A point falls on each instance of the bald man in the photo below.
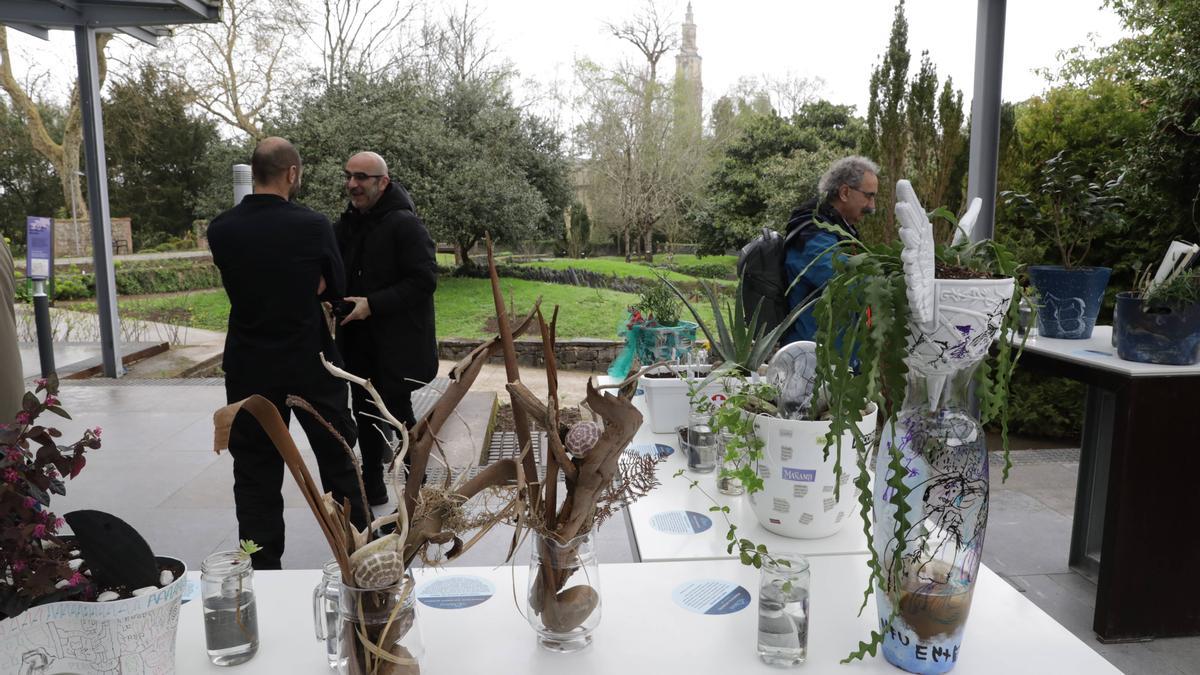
(278, 260)
(389, 334)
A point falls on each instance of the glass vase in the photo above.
(326, 613)
(937, 446)
(783, 610)
(379, 630)
(727, 483)
(563, 602)
(230, 613)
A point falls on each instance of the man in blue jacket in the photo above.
(847, 195)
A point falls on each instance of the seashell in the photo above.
(165, 578)
(582, 437)
(378, 564)
(145, 590)
(107, 596)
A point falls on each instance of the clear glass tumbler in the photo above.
(783, 610)
(326, 620)
(727, 484)
(230, 614)
(699, 443)
(563, 603)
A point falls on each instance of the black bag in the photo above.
(764, 285)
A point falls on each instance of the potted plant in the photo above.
(69, 602)
(1072, 212)
(1160, 323)
(909, 327)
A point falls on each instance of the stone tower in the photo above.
(689, 90)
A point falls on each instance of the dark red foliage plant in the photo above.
(34, 559)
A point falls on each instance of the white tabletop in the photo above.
(643, 630)
(1098, 352)
(675, 496)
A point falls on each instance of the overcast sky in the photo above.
(834, 40)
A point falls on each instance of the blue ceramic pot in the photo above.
(1069, 299)
(1166, 335)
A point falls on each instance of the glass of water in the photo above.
(783, 610)
(230, 615)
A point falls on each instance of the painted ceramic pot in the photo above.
(1069, 299)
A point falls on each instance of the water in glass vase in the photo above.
(231, 628)
(783, 623)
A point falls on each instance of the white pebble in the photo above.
(106, 596)
(63, 583)
(74, 564)
(165, 578)
(87, 573)
(145, 589)
(75, 554)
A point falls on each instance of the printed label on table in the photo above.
(711, 596)
(455, 592)
(680, 522)
(659, 450)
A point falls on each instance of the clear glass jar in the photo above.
(387, 619)
(563, 602)
(230, 613)
(727, 484)
(326, 619)
(783, 610)
(699, 443)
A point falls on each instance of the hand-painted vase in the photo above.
(929, 572)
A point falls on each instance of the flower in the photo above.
(39, 531)
(96, 432)
(58, 523)
(41, 382)
(76, 579)
(51, 400)
(29, 502)
(11, 475)
(24, 417)
(14, 454)
(18, 565)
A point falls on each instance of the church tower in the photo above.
(689, 91)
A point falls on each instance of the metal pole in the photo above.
(97, 181)
(243, 182)
(45, 336)
(985, 112)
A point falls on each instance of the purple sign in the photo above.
(38, 240)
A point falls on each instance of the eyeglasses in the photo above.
(868, 195)
(360, 176)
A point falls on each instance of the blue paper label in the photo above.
(38, 244)
(711, 596)
(680, 522)
(455, 592)
(799, 475)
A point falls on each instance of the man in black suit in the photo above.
(389, 334)
(278, 260)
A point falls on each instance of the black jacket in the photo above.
(390, 260)
(272, 255)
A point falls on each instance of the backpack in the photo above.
(760, 266)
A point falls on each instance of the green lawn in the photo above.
(463, 307)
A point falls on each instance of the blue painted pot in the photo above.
(1069, 299)
(1165, 335)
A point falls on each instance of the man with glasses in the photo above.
(846, 196)
(387, 330)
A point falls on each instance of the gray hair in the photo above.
(845, 171)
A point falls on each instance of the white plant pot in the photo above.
(135, 636)
(797, 499)
(668, 403)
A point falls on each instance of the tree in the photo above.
(887, 137)
(234, 69)
(155, 153)
(359, 37)
(28, 186)
(63, 155)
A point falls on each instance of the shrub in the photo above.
(707, 270)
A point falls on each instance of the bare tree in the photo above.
(234, 69)
(363, 37)
(791, 92)
(64, 155)
(653, 36)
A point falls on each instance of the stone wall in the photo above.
(74, 239)
(585, 354)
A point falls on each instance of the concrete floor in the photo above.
(157, 470)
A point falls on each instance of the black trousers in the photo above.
(258, 468)
(370, 441)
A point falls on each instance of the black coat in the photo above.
(390, 260)
(272, 255)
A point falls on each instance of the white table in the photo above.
(643, 631)
(1137, 469)
(676, 495)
